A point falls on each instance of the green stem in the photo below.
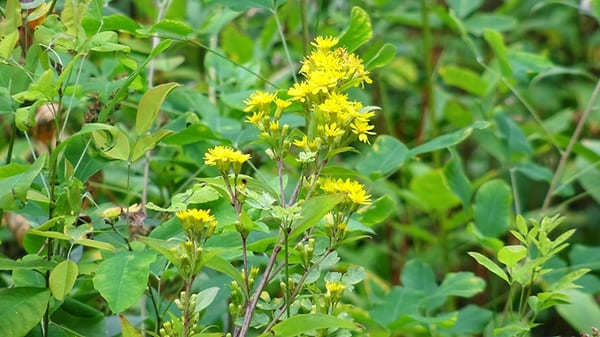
(288, 296)
(428, 95)
(285, 46)
(303, 17)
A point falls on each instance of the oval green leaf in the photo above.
(62, 279)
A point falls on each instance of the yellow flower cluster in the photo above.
(224, 158)
(353, 191)
(332, 119)
(335, 290)
(197, 222)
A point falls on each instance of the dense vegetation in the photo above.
(299, 168)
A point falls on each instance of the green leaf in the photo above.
(121, 279)
(313, 211)
(511, 255)
(221, 265)
(385, 157)
(494, 39)
(62, 279)
(173, 29)
(32, 262)
(107, 41)
(128, 330)
(15, 182)
(464, 7)
(150, 105)
(205, 298)
(419, 276)
(83, 242)
(147, 143)
(463, 284)
(300, 324)
(7, 44)
(477, 23)
(492, 208)
(383, 57)
(449, 139)
(464, 79)
(380, 210)
(582, 313)
(359, 31)
(113, 143)
(457, 180)
(21, 309)
(490, 265)
(432, 191)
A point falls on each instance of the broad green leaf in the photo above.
(490, 265)
(238, 46)
(11, 17)
(221, 265)
(359, 31)
(465, 79)
(173, 29)
(397, 304)
(31, 262)
(128, 330)
(163, 247)
(433, 192)
(379, 211)
(494, 39)
(383, 57)
(62, 279)
(119, 22)
(449, 139)
(121, 279)
(147, 143)
(385, 157)
(471, 320)
(243, 5)
(419, 276)
(300, 324)
(462, 284)
(492, 208)
(511, 255)
(464, 7)
(15, 181)
(21, 309)
(205, 298)
(582, 313)
(113, 143)
(457, 180)
(107, 41)
(150, 105)
(313, 211)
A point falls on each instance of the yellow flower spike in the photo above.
(259, 100)
(224, 157)
(325, 43)
(274, 126)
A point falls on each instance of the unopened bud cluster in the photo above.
(335, 228)
(237, 304)
(189, 257)
(307, 251)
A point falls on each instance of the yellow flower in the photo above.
(362, 129)
(353, 190)
(322, 81)
(195, 221)
(223, 157)
(301, 143)
(256, 118)
(274, 126)
(259, 100)
(299, 91)
(325, 43)
(282, 103)
(331, 130)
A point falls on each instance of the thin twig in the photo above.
(263, 282)
(280, 174)
(563, 159)
(513, 182)
(285, 46)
